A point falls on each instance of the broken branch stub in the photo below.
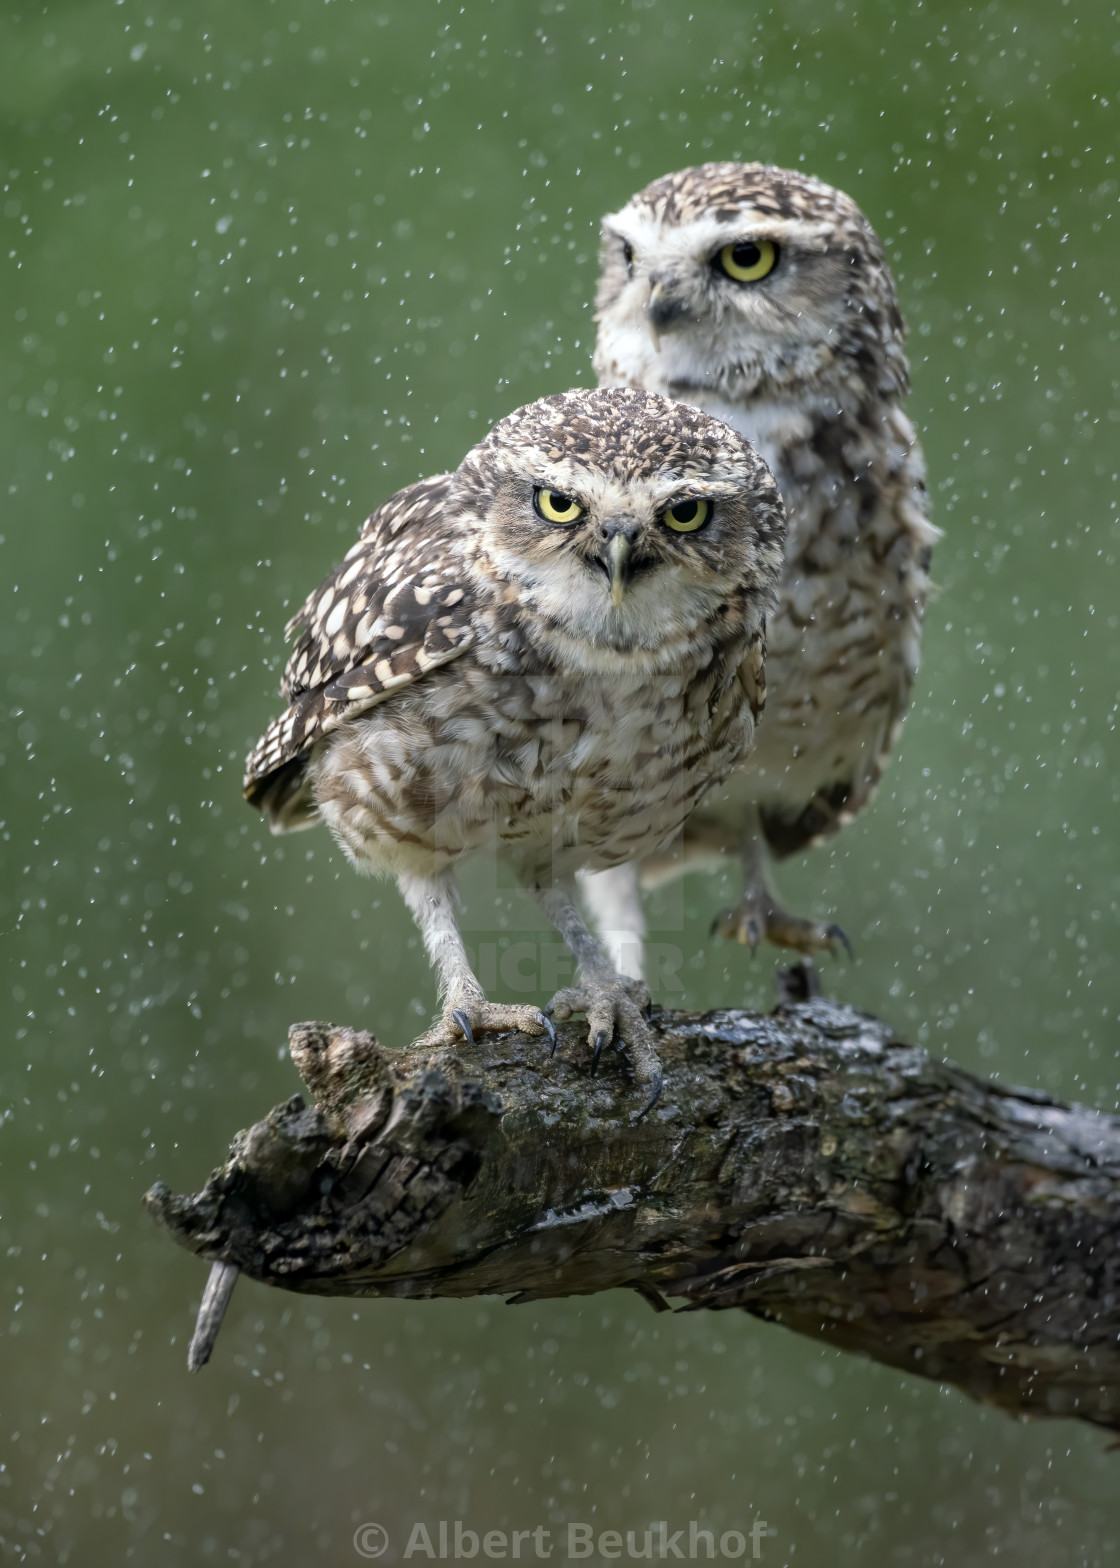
(804, 1166)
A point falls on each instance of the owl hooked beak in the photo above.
(615, 559)
(618, 554)
(655, 293)
(662, 310)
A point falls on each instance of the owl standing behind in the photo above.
(762, 296)
(549, 654)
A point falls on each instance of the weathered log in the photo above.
(805, 1166)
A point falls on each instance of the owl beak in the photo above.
(618, 555)
(662, 310)
(656, 295)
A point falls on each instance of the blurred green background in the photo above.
(264, 263)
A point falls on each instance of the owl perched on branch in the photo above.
(762, 296)
(548, 654)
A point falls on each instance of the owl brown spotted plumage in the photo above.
(549, 654)
(380, 621)
(763, 296)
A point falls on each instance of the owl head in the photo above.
(743, 281)
(626, 523)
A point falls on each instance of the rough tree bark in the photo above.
(804, 1166)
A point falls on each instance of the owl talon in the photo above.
(461, 1025)
(656, 1084)
(550, 1030)
(758, 918)
(738, 927)
(837, 934)
(615, 1008)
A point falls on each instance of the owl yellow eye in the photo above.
(748, 260)
(556, 507)
(687, 516)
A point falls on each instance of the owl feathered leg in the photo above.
(614, 901)
(614, 897)
(465, 1006)
(758, 915)
(613, 1002)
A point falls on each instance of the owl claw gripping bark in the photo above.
(615, 1007)
(460, 1022)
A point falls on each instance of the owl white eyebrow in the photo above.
(753, 238)
(550, 484)
(680, 243)
(717, 490)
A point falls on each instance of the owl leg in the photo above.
(465, 1007)
(614, 1003)
(614, 902)
(758, 915)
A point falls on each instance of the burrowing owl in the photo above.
(763, 296)
(550, 653)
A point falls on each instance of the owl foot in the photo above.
(461, 1022)
(614, 1007)
(757, 917)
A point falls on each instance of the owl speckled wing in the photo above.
(389, 612)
